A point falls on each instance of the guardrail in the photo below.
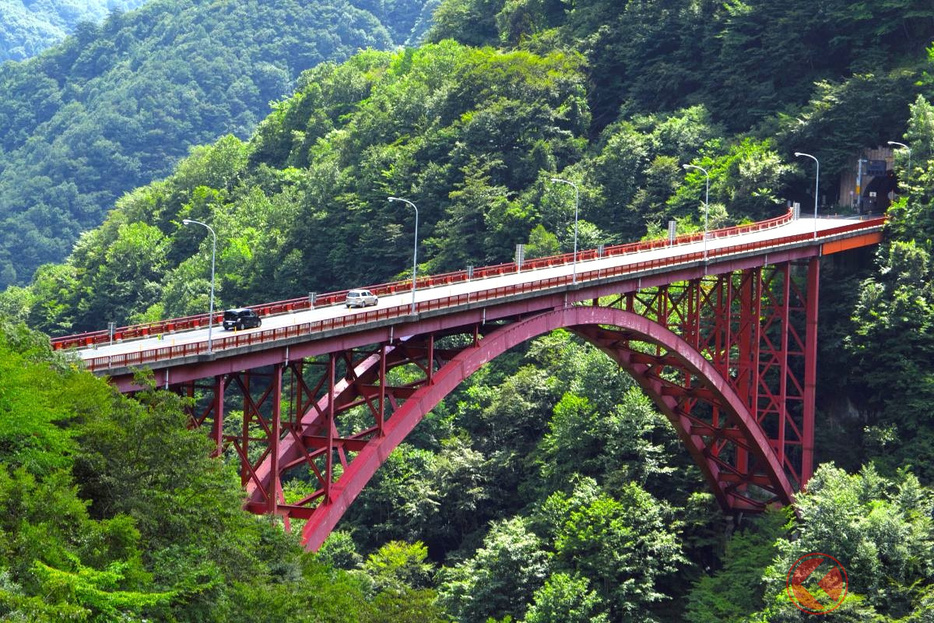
(270, 335)
(162, 327)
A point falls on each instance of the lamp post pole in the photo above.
(577, 197)
(189, 221)
(906, 147)
(415, 249)
(816, 185)
(706, 200)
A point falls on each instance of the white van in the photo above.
(361, 298)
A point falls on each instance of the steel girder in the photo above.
(758, 327)
(728, 358)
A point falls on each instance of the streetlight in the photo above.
(904, 146)
(706, 201)
(577, 200)
(816, 185)
(415, 250)
(188, 221)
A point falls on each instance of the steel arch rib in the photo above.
(752, 438)
(325, 517)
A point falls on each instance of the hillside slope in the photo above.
(472, 138)
(116, 106)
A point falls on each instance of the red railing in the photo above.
(268, 335)
(173, 325)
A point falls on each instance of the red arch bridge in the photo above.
(721, 333)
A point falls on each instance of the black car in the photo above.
(242, 318)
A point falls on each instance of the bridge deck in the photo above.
(395, 308)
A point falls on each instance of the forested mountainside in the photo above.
(117, 105)
(481, 516)
(29, 27)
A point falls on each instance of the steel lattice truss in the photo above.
(728, 358)
(756, 328)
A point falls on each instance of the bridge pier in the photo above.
(810, 371)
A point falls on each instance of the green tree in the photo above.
(467, 220)
(616, 447)
(542, 243)
(471, 22)
(56, 558)
(402, 580)
(738, 588)
(891, 347)
(397, 566)
(879, 530)
(500, 578)
(566, 599)
(27, 29)
(623, 545)
(520, 19)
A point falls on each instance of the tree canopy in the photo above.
(28, 28)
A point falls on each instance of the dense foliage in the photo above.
(546, 488)
(470, 135)
(28, 28)
(116, 106)
(111, 509)
(747, 59)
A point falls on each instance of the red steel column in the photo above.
(725, 337)
(429, 368)
(695, 304)
(217, 426)
(329, 447)
(756, 355)
(783, 364)
(245, 468)
(746, 349)
(381, 415)
(275, 487)
(810, 371)
(747, 338)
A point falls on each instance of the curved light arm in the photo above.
(908, 149)
(189, 221)
(415, 250)
(706, 200)
(816, 185)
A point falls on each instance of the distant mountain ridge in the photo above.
(115, 106)
(27, 27)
